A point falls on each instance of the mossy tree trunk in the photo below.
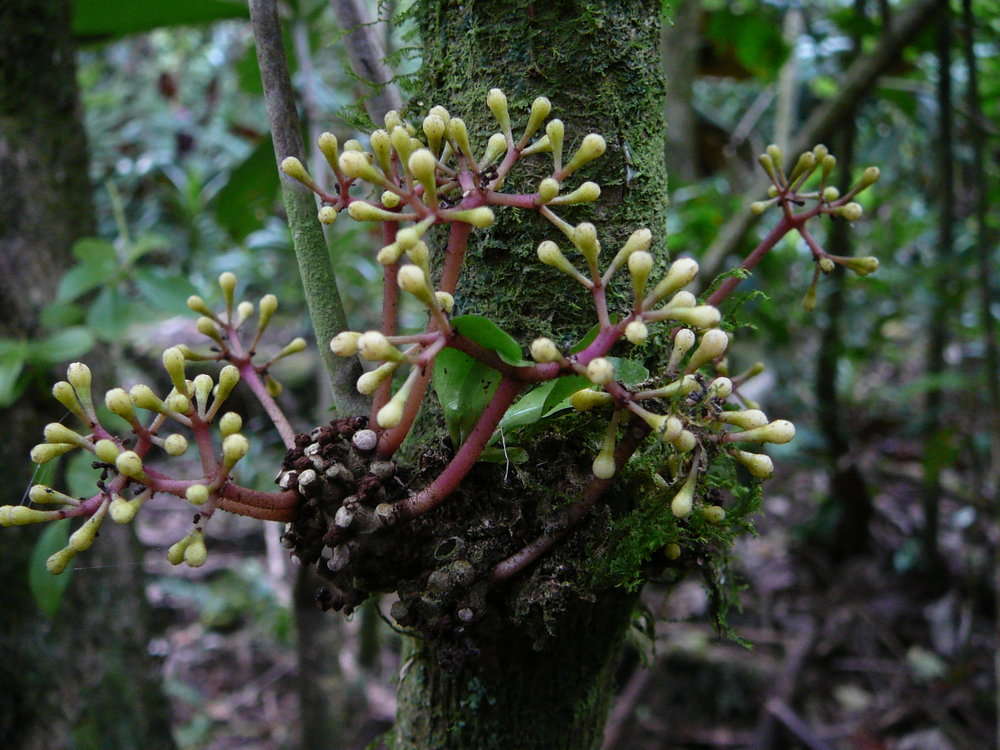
(599, 63)
(83, 679)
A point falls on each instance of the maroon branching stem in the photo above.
(249, 374)
(458, 243)
(773, 237)
(573, 513)
(203, 439)
(463, 461)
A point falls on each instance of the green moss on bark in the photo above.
(598, 62)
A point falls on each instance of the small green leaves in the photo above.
(46, 588)
(488, 334)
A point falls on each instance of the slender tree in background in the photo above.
(849, 499)
(936, 434)
(83, 678)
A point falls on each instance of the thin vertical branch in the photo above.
(367, 57)
(940, 317)
(318, 281)
(985, 287)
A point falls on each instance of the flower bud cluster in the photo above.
(194, 403)
(787, 192)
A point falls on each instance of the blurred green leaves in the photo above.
(97, 20)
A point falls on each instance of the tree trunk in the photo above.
(84, 679)
(599, 64)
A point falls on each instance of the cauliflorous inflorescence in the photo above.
(126, 450)
(789, 190)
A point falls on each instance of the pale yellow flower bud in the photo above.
(587, 399)
(851, 211)
(197, 494)
(445, 301)
(59, 433)
(746, 419)
(230, 423)
(600, 371)
(118, 402)
(345, 343)
(778, 431)
(547, 189)
(496, 100)
(496, 146)
(714, 513)
(327, 143)
(375, 347)
(681, 273)
(588, 192)
(369, 382)
(234, 447)
(459, 135)
(362, 211)
(268, 305)
(82, 539)
(65, 394)
(173, 363)
(327, 215)
(702, 316)
(556, 132)
(591, 147)
(720, 388)
(481, 217)
(175, 445)
(434, 128)
(712, 345)
(540, 109)
(45, 452)
(411, 279)
(640, 263)
(545, 350)
(196, 553)
(129, 464)
(757, 464)
(636, 332)
(683, 502)
(354, 164)
(106, 450)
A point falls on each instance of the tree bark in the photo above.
(84, 679)
(599, 64)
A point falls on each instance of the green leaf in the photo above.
(245, 202)
(103, 18)
(588, 337)
(81, 476)
(563, 388)
(69, 343)
(167, 292)
(83, 277)
(109, 316)
(463, 386)
(12, 359)
(46, 588)
(95, 251)
(62, 315)
(146, 243)
(628, 371)
(528, 409)
(488, 334)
